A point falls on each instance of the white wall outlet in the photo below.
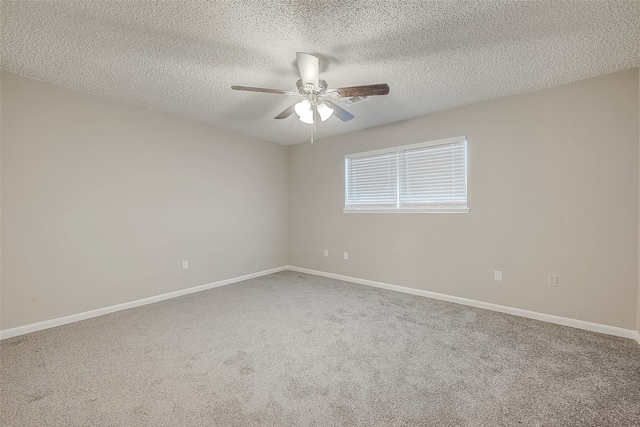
(346, 255)
(326, 252)
(553, 281)
(497, 275)
(185, 265)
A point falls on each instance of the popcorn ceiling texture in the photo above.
(182, 57)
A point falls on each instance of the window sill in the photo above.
(408, 210)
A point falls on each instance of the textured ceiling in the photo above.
(181, 57)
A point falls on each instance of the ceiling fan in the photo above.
(315, 93)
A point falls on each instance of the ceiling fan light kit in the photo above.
(305, 111)
(324, 110)
(313, 89)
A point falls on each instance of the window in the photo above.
(424, 177)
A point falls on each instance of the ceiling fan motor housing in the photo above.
(321, 90)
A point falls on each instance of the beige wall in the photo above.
(102, 201)
(553, 189)
(638, 308)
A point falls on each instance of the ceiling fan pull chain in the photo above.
(315, 116)
(315, 120)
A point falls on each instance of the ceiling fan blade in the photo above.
(264, 90)
(366, 90)
(309, 67)
(287, 112)
(340, 112)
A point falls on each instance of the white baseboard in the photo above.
(21, 330)
(580, 324)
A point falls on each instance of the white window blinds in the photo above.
(373, 180)
(427, 177)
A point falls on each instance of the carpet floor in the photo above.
(292, 349)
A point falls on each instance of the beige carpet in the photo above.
(293, 349)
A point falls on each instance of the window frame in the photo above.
(444, 207)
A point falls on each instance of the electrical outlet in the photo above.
(185, 265)
(553, 281)
(326, 252)
(497, 275)
(346, 255)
